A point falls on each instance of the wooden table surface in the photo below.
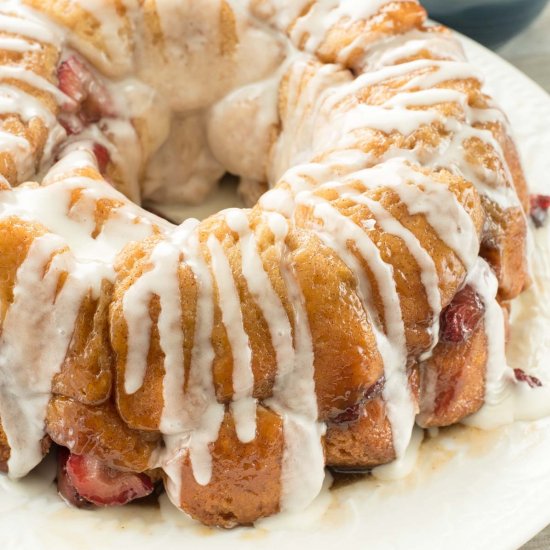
(530, 52)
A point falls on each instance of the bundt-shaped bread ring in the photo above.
(236, 357)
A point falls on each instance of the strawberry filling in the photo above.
(351, 414)
(90, 101)
(539, 209)
(522, 376)
(90, 98)
(84, 480)
(64, 486)
(103, 157)
(460, 318)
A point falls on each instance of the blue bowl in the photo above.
(491, 22)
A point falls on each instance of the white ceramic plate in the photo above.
(470, 490)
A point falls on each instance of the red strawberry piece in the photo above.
(539, 209)
(70, 83)
(376, 389)
(103, 157)
(91, 98)
(97, 104)
(71, 122)
(64, 486)
(522, 376)
(351, 414)
(104, 486)
(460, 318)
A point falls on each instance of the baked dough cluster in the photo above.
(233, 359)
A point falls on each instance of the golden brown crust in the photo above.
(504, 248)
(346, 358)
(361, 438)
(229, 39)
(42, 61)
(245, 482)
(4, 450)
(347, 361)
(393, 18)
(453, 380)
(86, 29)
(142, 409)
(503, 241)
(99, 431)
(87, 371)
(407, 273)
(362, 443)
(16, 237)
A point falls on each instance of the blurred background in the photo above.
(491, 22)
(518, 30)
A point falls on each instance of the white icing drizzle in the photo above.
(160, 281)
(30, 358)
(432, 199)
(427, 97)
(278, 200)
(170, 330)
(428, 74)
(35, 80)
(24, 26)
(400, 46)
(195, 420)
(232, 318)
(201, 385)
(294, 396)
(405, 464)
(336, 232)
(498, 407)
(50, 205)
(259, 285)
(483, 281)
(29, 32)
(428, 275)
(9, 43)
(30, 18)
(15, 100)
(324, 14)
(506, 399)
(372, 117)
